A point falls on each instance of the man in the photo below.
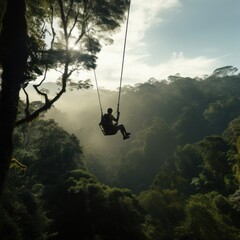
(110, 128)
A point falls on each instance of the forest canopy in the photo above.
(176, 178)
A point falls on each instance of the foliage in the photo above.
(94, 210)
(166, 207)
(185, 178)
(183, 163)
(66, 37)
(204, 220)
(55, 171)
(146, 156)
(22, 216)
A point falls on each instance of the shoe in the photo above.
(128, 133)
(126, 137)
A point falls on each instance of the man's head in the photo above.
(110, 110)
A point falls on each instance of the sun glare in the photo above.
(72, 44)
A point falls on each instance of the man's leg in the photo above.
(123, 131)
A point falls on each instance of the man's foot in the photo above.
(128, 133)
(126, 137)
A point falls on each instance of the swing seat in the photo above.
(107, 132)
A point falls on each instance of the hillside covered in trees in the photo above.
(176, 178)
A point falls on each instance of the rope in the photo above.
(95, 77)
(99, 99)
(123, 58)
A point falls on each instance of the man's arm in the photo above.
(116, 119)
(118, 115)
(113, 118)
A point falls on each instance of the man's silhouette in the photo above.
(112, 128)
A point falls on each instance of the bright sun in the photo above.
(72, 44)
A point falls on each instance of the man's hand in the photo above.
(118, 114)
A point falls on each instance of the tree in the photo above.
(206, 220)
(153, 147)
(232, 135)
(22, 216)
(91, 210)
(166, 207)
(225, 71)
(188, 161)
(216, 171)
(27, 54)
(14, 56)
(221, 112)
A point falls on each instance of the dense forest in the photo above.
(176, 178)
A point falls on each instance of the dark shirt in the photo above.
(108, 121)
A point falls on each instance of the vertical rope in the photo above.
(123, 57)
(95, 78)
(99, 99)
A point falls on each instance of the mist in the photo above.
(162, 116)
(78, 112)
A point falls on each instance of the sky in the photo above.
(167, 37)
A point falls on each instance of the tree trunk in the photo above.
(14, 54)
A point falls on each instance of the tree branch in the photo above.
(63, 18)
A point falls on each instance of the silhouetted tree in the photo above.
(25, 57)
(14, 54)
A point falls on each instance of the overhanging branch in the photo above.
(42, 109)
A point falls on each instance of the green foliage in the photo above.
(22, 216)
(234, 199)
(165, 205)
(169, 120)
(171, 180)
(213, 150)
(204, 220)
(218, 112)
(233, 131)
(55, 192)
(216, 165)
(184, 171)
(154, 144)
(95, 210)
(54, 25)
(188, 161)
(49, 150)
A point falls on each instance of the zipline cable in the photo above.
(123, 57)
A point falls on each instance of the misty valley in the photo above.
(176, 178)
(169, 169)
